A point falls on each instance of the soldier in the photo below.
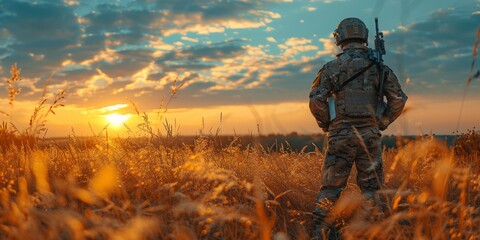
(344, 99)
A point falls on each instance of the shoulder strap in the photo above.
(356, 75)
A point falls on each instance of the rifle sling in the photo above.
(356, 75)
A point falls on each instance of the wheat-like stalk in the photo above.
(13, 90)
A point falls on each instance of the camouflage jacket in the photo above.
(326, 83)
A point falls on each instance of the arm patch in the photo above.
(316, 82)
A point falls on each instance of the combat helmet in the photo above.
(351, 29)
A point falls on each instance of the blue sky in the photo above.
(227, 52)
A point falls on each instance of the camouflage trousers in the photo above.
(346, 147)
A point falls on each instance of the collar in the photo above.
(353, 45)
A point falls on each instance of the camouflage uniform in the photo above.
(354, 135)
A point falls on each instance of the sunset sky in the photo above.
(241, 65)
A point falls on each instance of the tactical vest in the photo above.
(359, 97)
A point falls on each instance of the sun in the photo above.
(116, 119)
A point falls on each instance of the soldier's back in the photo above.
(355, 102)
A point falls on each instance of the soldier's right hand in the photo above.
(383, 123)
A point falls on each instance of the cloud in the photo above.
(271, 39)
(114, 52)
(181, 17)
(185, 38)
(221, 50)
(329, 46)
(434, 51)
(328, 1)
(45, 31)
(294, 46)
(98, 81)
(112, 108)
(121, 53)
(68, 39)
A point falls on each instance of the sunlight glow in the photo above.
(112, 108)
(116, 119)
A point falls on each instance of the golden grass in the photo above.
(159, 189)
(148, 192)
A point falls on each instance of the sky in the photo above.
(241, 66)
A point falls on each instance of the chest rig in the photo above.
(357, 98)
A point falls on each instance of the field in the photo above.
(159, 188)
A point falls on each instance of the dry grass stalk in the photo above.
(13, 90)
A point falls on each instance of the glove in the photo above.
(323, 126)
(383, 123)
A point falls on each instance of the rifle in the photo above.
(376, 55)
